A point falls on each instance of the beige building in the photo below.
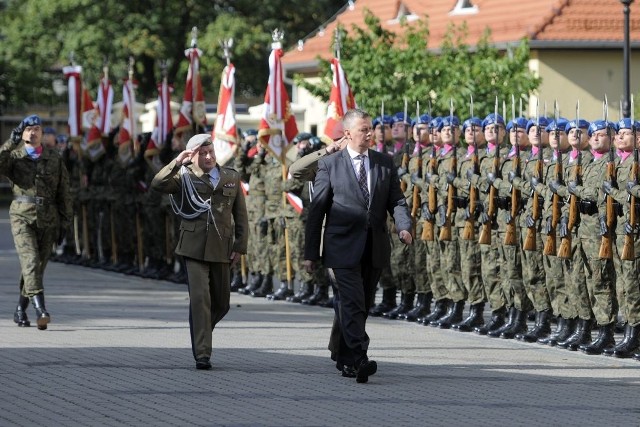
(576, 46)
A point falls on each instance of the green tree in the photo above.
(38, 37)
(383, 66)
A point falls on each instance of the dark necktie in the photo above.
(362, 179)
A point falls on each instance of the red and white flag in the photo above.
(74, 75)
(295, 201)
(90, 118)
(224, 133)
(164, 121)
(340, 100)
(105, 105)
(278, 125)
(193, 107)
(128, 129)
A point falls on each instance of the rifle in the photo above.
(139, 242)
(445, 230)
(606, 244)
(550, 244)
(405, 156)
(432, 198)
(510, 238)
(564, 251)
(485, 232)
(628, 249)
(114, 240)
(530, 239)
(468, 233)
(416, 202)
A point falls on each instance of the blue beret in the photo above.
(627, 123)
(302, 136)
(385, 120)
(544, 122)
(560, 125)
(448, 121)
(492, 119)
(62, 139)
(582, 124)
(521, 122)
(49, 130)
(399, 118)
(599, 125)
(250, 132)
(475, 121)
(436, 123)
(33, 120)
(422, 120)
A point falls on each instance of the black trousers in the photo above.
(354, 293)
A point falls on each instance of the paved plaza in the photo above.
(118, 353)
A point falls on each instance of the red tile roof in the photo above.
(509, 21)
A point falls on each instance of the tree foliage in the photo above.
(38, 36)
(383, 66)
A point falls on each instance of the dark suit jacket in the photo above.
(199, 239)
(338, 196)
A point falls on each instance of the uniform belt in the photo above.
(460, 202)
(36, 200)
(588, 207)
(503, 202)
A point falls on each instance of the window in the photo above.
(464, 7)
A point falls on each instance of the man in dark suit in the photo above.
(213, 234)
(355, 188)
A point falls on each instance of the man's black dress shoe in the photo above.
(348, 371)
(365, 370)
(203, 363)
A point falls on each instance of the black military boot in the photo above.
(541, 328)
(266, 287)
(319, 295)
(496, 322)
(511, 318)
(422, 308)
(253, 284)
(20, 316)
(474, 319)
(327, 302)
(636, 356)
(603, 340)
(629, 344)
(406, 304)
(563, 330)
(305, 291)
(42, 315)
(387, 304)
(236, 281)
(582, 335)
(440, 309)
(282, 293)
(519, 326)
(454, 315)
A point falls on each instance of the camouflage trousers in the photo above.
(576, 280)
(33, 246)
(402, 269)
(422, 276)
(510, 266)
(122, 217)
(629, 278)
(285, 228)
(490, 271)
(470, 269)
(533, 273)
(557, 287)
(296, 240)
(434, 268)
(450, 264)
(259, 246)
(599, 275)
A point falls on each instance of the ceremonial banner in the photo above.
(193, 107)
(74, 75)
(340, 100)
(224, 133)
(105, 104)
(164, 121)
(128, 129)
(90, 119)
(278, 125)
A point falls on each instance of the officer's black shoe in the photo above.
(348, 371)
(254, 283)
(454, 315)
(326, 303)
(203, 363)
(496, 322)
(42, 315)
(320, 294)
(541, 329)
(603, 340)
(440, 309)
(406, 304)
(629, 344)
(266, 287)
(581, 335)
(236, 282)
(518, 327)
(563, 330)
(511, 319)
(475, 319)
(387, 304)
(422, 308)
(305, 291)
(20, 316)
(282, 293)
(365, 369)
